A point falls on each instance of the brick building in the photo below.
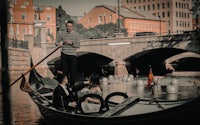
(134, 21)
(22, 16)
(176, 13)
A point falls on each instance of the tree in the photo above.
(61, 17)
(195, 7)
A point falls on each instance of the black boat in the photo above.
(130, 110)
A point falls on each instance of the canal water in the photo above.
(25, 111)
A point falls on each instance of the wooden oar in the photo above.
(33, 67)
(25, 86)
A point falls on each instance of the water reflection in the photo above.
(172, 96)
(170, 88)
(24, 111)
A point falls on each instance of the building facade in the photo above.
(176, 13)
(133, 21)
(22, 16)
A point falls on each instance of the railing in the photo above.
(18, 43)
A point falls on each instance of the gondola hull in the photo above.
(183, 113)
(143, 111)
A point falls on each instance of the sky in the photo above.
(76, 7)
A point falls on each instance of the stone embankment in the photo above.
(18, 61)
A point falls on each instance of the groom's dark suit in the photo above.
(61, 99)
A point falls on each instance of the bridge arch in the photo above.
(93, 62)
(180, 56)
(168, 62)
(154, 57)
(82, 53)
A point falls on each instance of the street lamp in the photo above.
(160, 22)
(11, 5)
(104, 15)
(119, 28)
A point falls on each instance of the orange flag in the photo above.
(150, 78)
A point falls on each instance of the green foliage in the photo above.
(195, 7)
(100, 31)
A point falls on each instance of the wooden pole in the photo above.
(7, 117)
(33, 67)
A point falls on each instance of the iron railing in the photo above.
(18, 43)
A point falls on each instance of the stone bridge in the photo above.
(123, 48)
(120, 49)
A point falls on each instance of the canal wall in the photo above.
(18, 61)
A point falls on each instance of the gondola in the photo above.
(131, 110)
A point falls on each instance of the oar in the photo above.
(33, 67)
(25, 86)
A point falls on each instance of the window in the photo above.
(168, 23)
(127, 1)
(49, 18)
(168, 14)
(89, 20)
(110, 18)
(148, 7)
(104, 17)
(187, 6)
(36, 16)
(24, 30)
(163, 5)
(153, 7)
(188, 15)
(158, 6)
(168, 5)
(163, 14)
(23, 16)
(184, 5)
(100, 19)
(143, 7)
